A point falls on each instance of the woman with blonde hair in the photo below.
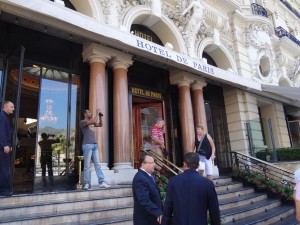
(205, 147)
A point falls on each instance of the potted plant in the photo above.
(237, 173)
(286, 193)
(260, 182)
(273, 189)
(162, 182)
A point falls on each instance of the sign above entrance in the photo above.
(145, 33)
(176, 57)
(145, 93)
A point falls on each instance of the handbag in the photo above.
(165, 152)
(199, 150)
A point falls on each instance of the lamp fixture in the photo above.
(49, 115)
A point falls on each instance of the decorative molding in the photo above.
(121, 61)
(188, 16)
(93, 52)
(258, 36)
(198, 84)
(294, 72)
(229, 47)
(112, 10)
(181, 78)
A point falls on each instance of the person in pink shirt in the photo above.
(297, 193)
(157, 137)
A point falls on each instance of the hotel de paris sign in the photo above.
(231, 77)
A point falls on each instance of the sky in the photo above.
(57, 93)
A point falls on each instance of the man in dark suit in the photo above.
(190, 196)
(5, 148)
(147, 202)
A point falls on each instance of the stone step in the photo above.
(228, 186)
(270, 216)
(123, 221)
(241, 200)
(236, 192)
(71, 217)
(27, 199)
(222, 179)
(290, 220)
(248, 210)
(68, 205)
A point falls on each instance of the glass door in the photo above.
(11, 90)
(45, 126)
(144, 119)
(57, 138)
(56, 134)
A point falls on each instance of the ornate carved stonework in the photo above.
(188, 16)
(114, 10)
(294, 73)
(258, 37)
(229, 47)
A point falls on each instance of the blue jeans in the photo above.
(90, 152)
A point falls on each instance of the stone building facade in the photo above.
(232, 65)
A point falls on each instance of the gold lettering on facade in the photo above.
(146, 93)
(143, 35)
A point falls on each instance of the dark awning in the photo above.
(291, 93)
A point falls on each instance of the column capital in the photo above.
(121, 61)
(199, 84)
(93, 52)
(181, 78)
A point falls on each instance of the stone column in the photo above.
(97, 56)
(122, 150)
(183, 80)
(198, 103)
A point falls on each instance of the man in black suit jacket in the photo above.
(147, 202)
(189, 196)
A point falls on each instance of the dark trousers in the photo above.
(46, 160)
(5, 165)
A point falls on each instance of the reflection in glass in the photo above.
(49, 105)
(58, 93)
(53, 101)
(148, 120)
(49, 115)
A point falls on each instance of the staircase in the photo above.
(98, 206)
(239, 206)
(243, 206)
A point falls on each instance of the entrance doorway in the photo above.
(144, 114)
(46, 110)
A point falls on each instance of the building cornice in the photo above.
(55, 15)
(289, 45)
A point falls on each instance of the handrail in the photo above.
(281, 32)
(291, 8)
(71, 168)
(164, 162)
(163, 172)
(274, 172)
(261, 161)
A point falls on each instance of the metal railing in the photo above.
(259, 10)
(280, 32)
(290, 8)
(165, 165)
(164, 170)
(276, 173)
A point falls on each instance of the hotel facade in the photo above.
(231, 65)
